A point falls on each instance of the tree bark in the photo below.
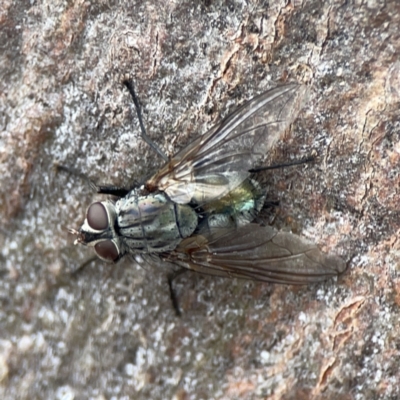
(110, 331)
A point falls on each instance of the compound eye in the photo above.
(97, 217)
(107, 250)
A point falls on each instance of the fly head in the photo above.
(99, 231)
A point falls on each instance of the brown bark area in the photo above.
(111, 331)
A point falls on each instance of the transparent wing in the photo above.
(257, 252)
(218, 161)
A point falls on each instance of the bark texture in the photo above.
(109, 332)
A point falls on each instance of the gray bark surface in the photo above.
(110, 332)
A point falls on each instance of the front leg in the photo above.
(171, 277)
(117, 191)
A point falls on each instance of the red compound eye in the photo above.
(107, 250)
(97, 217)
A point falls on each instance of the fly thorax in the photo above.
(153, 223)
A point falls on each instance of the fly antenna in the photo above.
(129, 86)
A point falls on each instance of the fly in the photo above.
(198, 211)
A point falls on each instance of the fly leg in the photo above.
(174, 299)
(78, 270)
(270, 205)
(129, 85)
(117, 191)
(289, 164)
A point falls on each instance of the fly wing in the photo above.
(218, 161)
(257, 252)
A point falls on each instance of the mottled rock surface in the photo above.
(109, 332)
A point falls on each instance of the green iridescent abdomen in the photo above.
(237, 208)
